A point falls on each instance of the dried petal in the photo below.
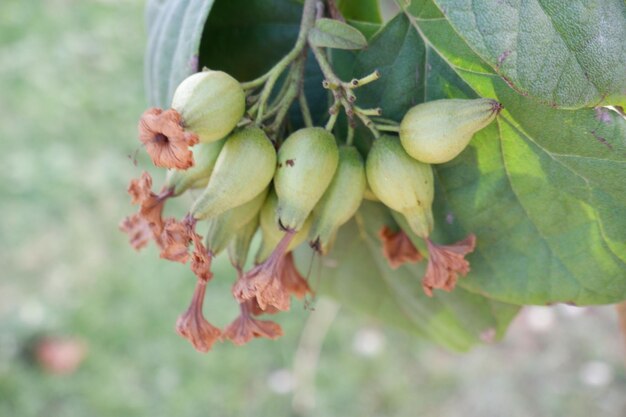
(193, 326)
(291, 279)
(263, 281)
(152, 211)
(151, 204)
(201, 259)
(256, 309)
(138, 230)
(175, 240)
(165, 140)
(445, 262)
(140, 189)
(245, 328)
(398, 248)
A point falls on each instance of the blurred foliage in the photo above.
(70, 77)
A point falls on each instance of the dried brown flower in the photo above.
(140, 189)
(256, 309)
(193, 326)
(175, 240)
(398, 248)
(165, 140)
(263, 281)
(291, 278)
(200, 259)
(148, 222)
(138, 230)
(445, 262)
(245, 328)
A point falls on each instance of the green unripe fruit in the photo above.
(402, 183)
(272, 234)
(307, 161)
(204, 156)
(211, 104)
(240, 244)
(340, 201)
(243, 170)
(437, 131)
(222, 228)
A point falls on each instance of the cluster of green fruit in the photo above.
(303, 188)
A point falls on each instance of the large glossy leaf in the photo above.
(542, 188)
(174, 32)
(357, 274)
(567, 53)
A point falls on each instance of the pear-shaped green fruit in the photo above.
(211, 104)
(341, 199)
(204, 156)
(240, 244)
(223, 228)
(437, 131)
(402, 183)
(307, 161)
(271, 232)
(243, 170)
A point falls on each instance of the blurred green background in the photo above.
(71, 92)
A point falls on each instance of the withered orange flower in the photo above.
(291, 278)
(149, 217)
(138, 230)
(245, 328)
(200, 259)
(256, 309)
(193, 326)
(445, 262)
(140, 189)
(263, 281)
(175, 240)
(398, 248)
(165, 140)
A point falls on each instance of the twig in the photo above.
(308, 354)
(621, 315)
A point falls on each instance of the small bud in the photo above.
(271, 232)
(307, 161)
(437, 131)
(340, 201)
(402, 183)
(211, 104)
(224, 227)
(204, 156)
(243, 170)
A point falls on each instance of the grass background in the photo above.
(71, 92)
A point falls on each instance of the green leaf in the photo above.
(542, 188)
(329, 33)
(245, 38)
(174, 31)
(368, 29)
(357, 274)
(392, 51)
(566, 53)
(363, 10)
